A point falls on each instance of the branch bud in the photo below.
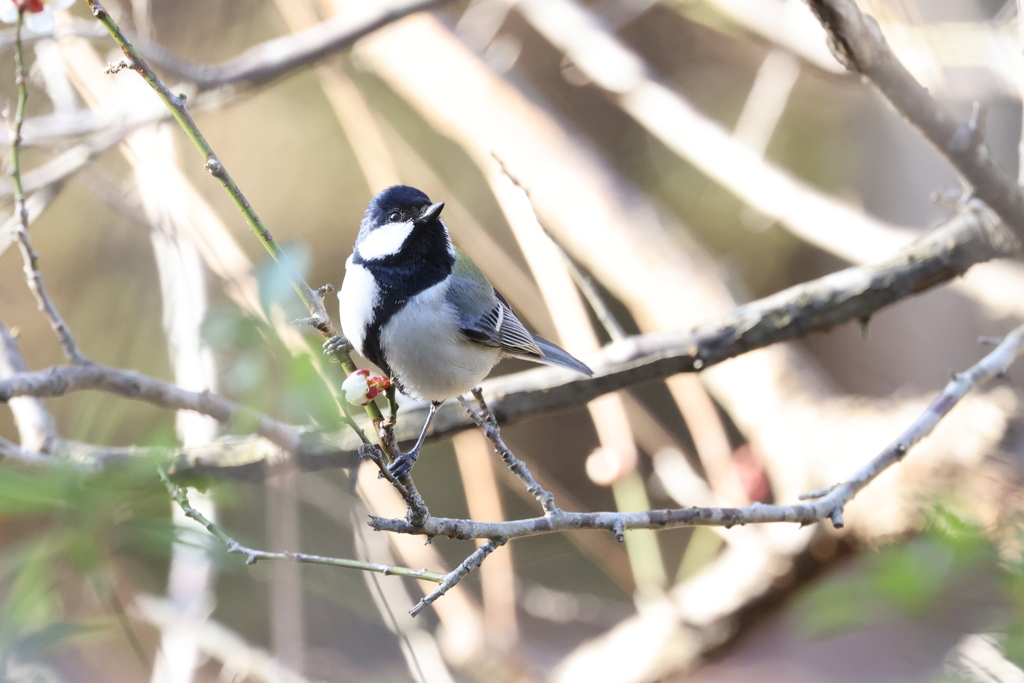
(360, 388)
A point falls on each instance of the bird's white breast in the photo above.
(359, 294)
(427, 351)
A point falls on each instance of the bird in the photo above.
(421, 310)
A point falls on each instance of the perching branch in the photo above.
(252, 556)
(857, 42)
(827, 504)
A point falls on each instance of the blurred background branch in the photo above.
(708, 166)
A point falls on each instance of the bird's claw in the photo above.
(334, 345)
(402, 465)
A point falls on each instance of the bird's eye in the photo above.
(394, 217)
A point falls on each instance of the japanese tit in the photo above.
(423, 312)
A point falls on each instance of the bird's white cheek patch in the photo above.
(385, 240)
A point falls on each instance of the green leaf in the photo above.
(30, 493)
(913, 577)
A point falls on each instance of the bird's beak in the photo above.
(431, 212)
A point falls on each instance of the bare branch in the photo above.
(59, 380)
(38, 287)
(825, 504)
(488, 424)
(276, 57)
(857, 42)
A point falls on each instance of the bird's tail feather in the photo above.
(552, 354)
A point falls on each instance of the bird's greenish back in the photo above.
(470, 291)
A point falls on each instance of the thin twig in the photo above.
(829, 505)
(487, 423)
(583, 281)
(453, 577)
(252, 556)
(591, 293)
(29, 256)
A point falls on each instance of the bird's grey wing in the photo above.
(499, 327)
(486, 318)
(484, 315)
(515, 339)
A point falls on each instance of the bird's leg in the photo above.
(334, 345)
(392, 417)
(404, 462)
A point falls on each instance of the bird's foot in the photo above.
(334, 345)
(402, 465)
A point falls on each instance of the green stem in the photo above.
(33, 276)
(176, 105)
(313, 299)
(252, 556)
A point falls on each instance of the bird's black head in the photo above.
(399, 204)
(402, 239)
